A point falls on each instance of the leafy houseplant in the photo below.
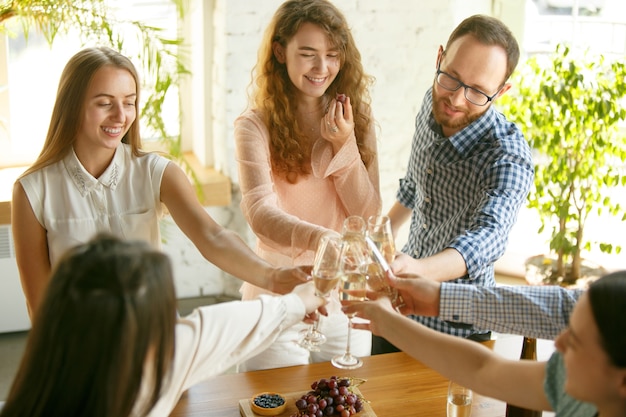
(160, 59)
(569, 108)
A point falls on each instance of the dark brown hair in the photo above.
(109, 306)
(607, 297)
(489, 31)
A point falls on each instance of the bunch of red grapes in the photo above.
(329, 397)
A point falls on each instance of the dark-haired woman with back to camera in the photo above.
(107, 340)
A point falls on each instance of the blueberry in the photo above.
(269, 400)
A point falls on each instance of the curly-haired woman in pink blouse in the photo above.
(306, 150)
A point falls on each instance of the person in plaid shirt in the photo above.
(469, 172)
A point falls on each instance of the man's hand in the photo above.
(420, 295)
(404, 264)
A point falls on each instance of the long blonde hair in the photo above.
(69, 106)
(274, 94)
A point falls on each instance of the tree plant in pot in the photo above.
(570, 107)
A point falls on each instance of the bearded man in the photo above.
(469, 172)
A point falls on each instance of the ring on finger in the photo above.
(334, 129)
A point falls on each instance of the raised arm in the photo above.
(272, 224)
(358, 186)
(351, 189)
(213, 338)
(541, 312)
(220, 246)
(31, 249)
(467, 362)
(534, 311)
(398, 215)
(442, 266)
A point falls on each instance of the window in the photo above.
(600, 26)
(30, 72)
(30, 89)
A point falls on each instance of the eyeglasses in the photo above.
(472, 95)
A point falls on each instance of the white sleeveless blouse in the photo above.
(73, 206)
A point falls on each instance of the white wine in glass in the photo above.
(379, 230)
(459, 400)
(378, 269)
(326, 273)
(352, 287)
(325, 282)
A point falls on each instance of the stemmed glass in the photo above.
(382, 245)
(379, 230)
(352, 286)
(326, 274)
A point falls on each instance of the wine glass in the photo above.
(459, 400)
(352, 287)
(382, 245)
(354, 227)
(379, 230)
(326, 274)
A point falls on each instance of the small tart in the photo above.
(267, 411)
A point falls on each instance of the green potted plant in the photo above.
(570, 107)
(160, 59)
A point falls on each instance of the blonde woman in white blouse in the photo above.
(92, 176)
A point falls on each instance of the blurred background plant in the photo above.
(160, 59)
(570, 107)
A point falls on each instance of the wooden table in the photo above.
(397, 385)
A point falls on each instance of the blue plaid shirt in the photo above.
(465, 192)
(533, 311)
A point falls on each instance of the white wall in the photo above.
(398, 41)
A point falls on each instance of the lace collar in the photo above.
(85, 182)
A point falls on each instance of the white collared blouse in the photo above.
(73, 206)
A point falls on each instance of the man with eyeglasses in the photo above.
(469, 172)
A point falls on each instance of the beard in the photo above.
(457, 122)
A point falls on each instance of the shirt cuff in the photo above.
(455, 303)
(295, 310)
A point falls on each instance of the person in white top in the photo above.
(107, 340)
(92, 176)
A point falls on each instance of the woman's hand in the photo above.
(337, 125)
(419, 296)
(283, 280)
(374, 309)
(312, 302)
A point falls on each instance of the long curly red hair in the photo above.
(274, 94)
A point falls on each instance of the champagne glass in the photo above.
(352, 287)
(379, 230)
(459, 400)
(382, 245)
(354, 227)
(326, 274)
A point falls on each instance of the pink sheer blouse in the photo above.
(289, 219)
